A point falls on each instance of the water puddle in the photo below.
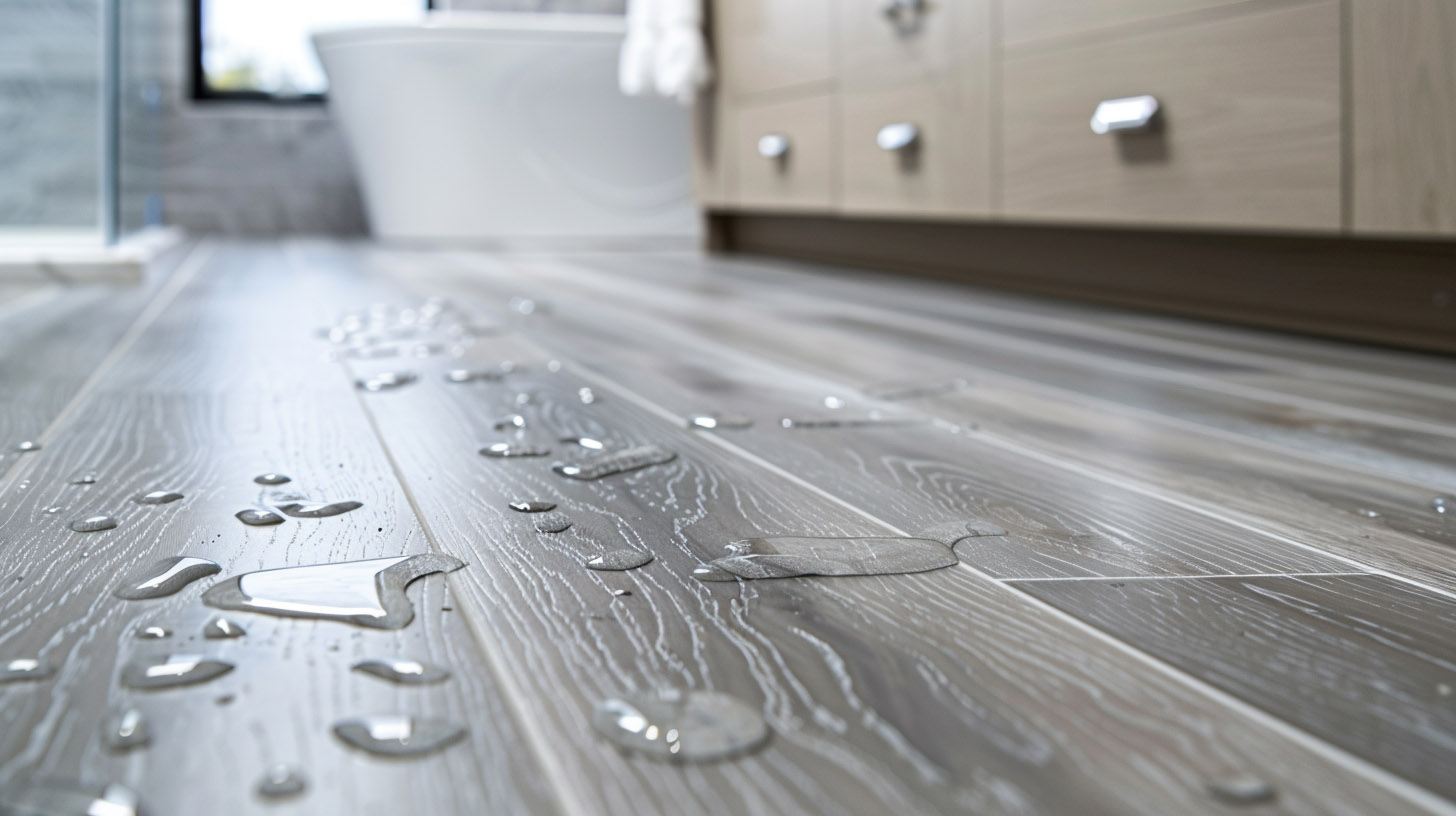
(281, 781)
(125, 729)
(173, 670)
(55, 799)
(552, 523)
(93, 524)
(311, 510)
(258, 517)
(158, 497)
(398, 735)
(720, 422)
(954, 531)
(166, 577)
(405, 672)
(24, 668)
(367, 593)
(272, 479)
(220, 628)
(899, 391)
(682, 726)
(614, 462)
(790, 556)
(532, 506)
(387, 381)
(510, 450)
(619, 560)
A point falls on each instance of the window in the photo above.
(259, 49)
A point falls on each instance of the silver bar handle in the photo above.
(895, 8)
(1130, 114)
(773, 145)
(898, 136)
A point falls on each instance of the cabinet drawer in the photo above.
(1030, 20)
(799, 179)
(917, 43)
(1248, 132)
(765, 45)
(944, 172)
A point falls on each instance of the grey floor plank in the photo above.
(50, 345)
(941, 676)
(1401, 448)
(1261, 487)
(216, 390)
(1364, 662)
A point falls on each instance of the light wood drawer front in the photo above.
(1026, 21)
(764, 45)
(943, 173)
(1250, 132)
(803, 178)
(914, 46)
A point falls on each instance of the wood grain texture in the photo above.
(820, 655)
(1250, 134)
(734, 335)
(1402, 105)
(229, 382)
(1363, 662)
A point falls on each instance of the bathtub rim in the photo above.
(444, 24)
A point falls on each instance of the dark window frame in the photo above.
(197, 78)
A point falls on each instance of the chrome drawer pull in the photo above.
(1127, 115)
(904, 14)
(899, 136)
(773, 146)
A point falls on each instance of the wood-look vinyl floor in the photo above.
(1222, 564)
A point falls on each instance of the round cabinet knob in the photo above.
(773, 146)
(898, 137)
(1130, 114)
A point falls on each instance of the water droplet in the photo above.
(621, 593)
(871, 419)
(398, 735)
(84, 479)
(618, 461)
(1440, 503)
(833, 403)
(166, 577)
(552, 523)
(258, 517)
(51, 511)
(720, 421)
(387, 381)
(158, 497)
(511, 421)
(93, 524)
(586, 442)
(533, 506)
(319, 509)
(586, 395)
(125, 729)
(173, 670)
(1242, 790)
(508, 450)
(153, 633)
(1443, 689)
(24, 668)
(220, 628)
(523, 305)
(367, 593)
(55, 799)
(897, 391)
(711, 573)
(280, 781)
(682, 726)
(1368, 513)
(553, 366)
(524, 398)
(408, 672)
(27, 446)
(790, 556)
(466, 375)
(619, 560)
(272, 479)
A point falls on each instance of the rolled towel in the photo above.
(665, 51)
(639, 49)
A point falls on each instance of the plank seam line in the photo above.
(514, 696)
(1192, 505)
(1051, 579)
(195, 260)
(1376, 774)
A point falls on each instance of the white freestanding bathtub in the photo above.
(508, 128)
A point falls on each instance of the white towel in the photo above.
(664, 52)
